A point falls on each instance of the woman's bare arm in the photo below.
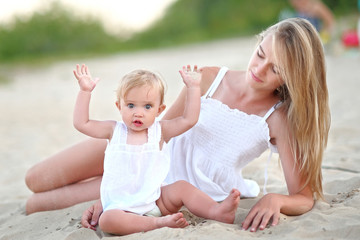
(298, 201)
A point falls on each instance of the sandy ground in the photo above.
(36, 121)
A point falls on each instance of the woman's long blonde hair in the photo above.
(299, 54)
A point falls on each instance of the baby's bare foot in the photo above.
(225, 211)
(175, 220)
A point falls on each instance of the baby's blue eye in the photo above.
(148, 106)
(130, 105)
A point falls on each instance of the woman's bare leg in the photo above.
(52, 176)
(121, 223)
(76, 163)
(180, 193)
(63, 197)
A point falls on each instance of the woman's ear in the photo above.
(161, 109)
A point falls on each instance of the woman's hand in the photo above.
(90, 217)
(266, 209)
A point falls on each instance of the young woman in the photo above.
(279, 102)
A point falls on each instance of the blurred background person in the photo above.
(318, 14)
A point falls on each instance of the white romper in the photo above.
(133, 174)
(211, 155)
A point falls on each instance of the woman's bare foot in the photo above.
(225, 211)
(175, 220)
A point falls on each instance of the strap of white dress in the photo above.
(216, 82)
(121, 133)
(155, 133)
(271, 110)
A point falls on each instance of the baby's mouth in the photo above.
(138, 123)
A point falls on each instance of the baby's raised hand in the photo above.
(84, 78)
(191, 78)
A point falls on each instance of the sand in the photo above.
(36, 121)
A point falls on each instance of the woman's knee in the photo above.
(31, 179)
(28, 206)
(35, 204)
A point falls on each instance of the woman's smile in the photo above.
(255, 77)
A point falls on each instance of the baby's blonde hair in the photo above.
(139, 78)
(299, 54)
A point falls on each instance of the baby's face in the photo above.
(140, 107)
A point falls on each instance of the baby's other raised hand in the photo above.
(191, 78)
(84, 78)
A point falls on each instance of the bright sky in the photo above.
(133, 14)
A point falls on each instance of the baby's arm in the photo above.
(179, 125)
(92, 128)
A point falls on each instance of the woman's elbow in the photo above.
(307, 205)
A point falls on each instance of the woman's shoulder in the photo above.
(208, 74)
(210, 70)
(278, 124)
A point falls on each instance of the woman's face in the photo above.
(263, 72)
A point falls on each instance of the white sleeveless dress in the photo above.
(211, 155)
(133, 174)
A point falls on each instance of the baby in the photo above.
(136, 162)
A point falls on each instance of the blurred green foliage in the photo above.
(342, 7)
(57, 32)
(199, 20)
(53, 32)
